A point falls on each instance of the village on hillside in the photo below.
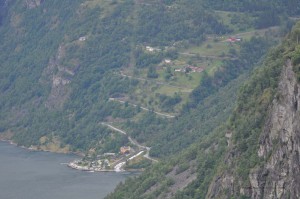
(128, 155)
(178, 76)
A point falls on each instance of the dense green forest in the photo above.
(44, 42)
(290, 7)
(206, 158)
(44, 45)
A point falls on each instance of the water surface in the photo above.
(41, 175)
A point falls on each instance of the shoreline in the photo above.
(71, 164)
(32, 148)
(116, 169)
(104, 170)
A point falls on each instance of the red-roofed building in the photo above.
(233, 39)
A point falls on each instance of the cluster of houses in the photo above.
(234, 39)
(102, 162)
(188, 68)
(82, 38)
(167, 61)
(97, 165)
(125, 150)
(152, 49)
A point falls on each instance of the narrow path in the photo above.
(136, 155)
(208, 56)
(114, 128)
(144, 108)
(148, 157)
(133, 142)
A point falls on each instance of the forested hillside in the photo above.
(64, 61)
(59, 75)
(253, 155)
(263, 7)
(155, 78)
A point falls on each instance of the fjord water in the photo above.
(41, 175)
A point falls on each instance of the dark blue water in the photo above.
(41, 175)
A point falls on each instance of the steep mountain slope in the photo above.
(288, 6)
(66, 60)
(68, 67)
(177, 171)
(279, 144)
(254, 155)
(62, 57)
(274, 172)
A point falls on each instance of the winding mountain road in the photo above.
(133, 142)
(143, 108)
(183, 89)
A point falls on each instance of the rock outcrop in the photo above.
(278, 174)
(59, 77)
(280, 144)
(33, 3)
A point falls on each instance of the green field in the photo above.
(209, 55)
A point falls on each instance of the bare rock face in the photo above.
(59, 77)
(280, 143)
(225, 181)
(278, 177)
(33, 3)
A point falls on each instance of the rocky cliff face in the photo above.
(278, 174)
(279, 177)
(59, 77)
(33, 3)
